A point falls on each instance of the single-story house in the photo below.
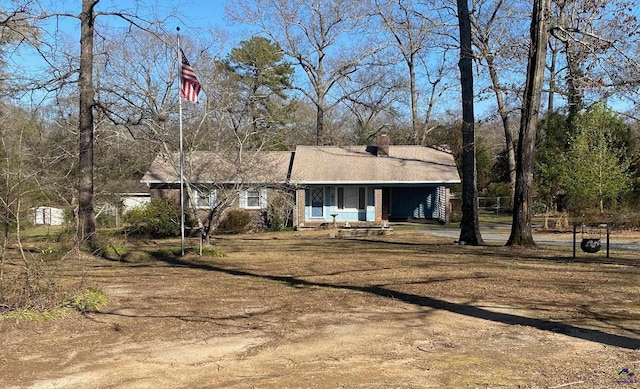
(366, 184)
(248, 180)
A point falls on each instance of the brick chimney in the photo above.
(383, 145)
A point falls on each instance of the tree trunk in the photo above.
(414, 101)
(504, 115)
(521, 231)
(574, 98)
(469, 226)
(319, 125)
(552, 80)
(86, 217)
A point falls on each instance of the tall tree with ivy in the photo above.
(596, 169)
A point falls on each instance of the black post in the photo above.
(574, 240)
(608, 231)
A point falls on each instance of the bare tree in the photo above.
(327, 39)
(23, 144)
(86, 217)
(86, 98)
(16, 29)
(497, 38)
(370, 102)
(521, 230)
(409, 33)
(415, 31)
(597, 40)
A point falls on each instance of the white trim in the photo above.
(210, 194)
(350, 193)
(244, 198)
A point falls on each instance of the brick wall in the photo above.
(298, 213)
(377, 196)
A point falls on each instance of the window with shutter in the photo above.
(204, 198)
(253, 199)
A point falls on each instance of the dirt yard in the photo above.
(305, 310)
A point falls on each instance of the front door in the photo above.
(317, 202)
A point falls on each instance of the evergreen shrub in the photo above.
(160, 218)
(236, 221)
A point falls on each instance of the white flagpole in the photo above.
(181, 156)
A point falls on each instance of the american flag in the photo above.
(189, 85)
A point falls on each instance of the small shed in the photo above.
(51, 216)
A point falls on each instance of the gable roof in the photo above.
(210, 167)
(312, 165)
(361, 165)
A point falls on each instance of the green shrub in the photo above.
(90, 300)
(280, 211)
(27, 315)
(115, 250)
(50, 250)
(498, 189)
(236, 221)
(159, 218)
(105, 220)
(276, 222)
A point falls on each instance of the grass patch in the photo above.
(115, 250)
(208, 251)
(172, 252)
(30, 316)
(90, 300)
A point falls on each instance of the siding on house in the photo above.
(413, 202)
(352, 210)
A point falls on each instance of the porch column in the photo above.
(298, 214)
(447, 196)
(377, 198)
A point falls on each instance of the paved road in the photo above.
(500, 234)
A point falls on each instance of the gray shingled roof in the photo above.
(313, 165)
(209, 167)
(360, 165)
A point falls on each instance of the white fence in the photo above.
(496, 205)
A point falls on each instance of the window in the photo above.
(351, 198)
(204, 198)
(253, 199)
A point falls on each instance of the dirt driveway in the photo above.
(304, 310)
